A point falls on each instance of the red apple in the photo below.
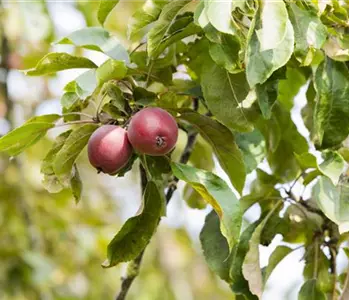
(109, 149)
(153, 131)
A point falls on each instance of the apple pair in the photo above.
(152, 131)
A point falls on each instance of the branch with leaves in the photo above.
(134, 266)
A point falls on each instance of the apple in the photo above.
(153, 131)
(109, 149)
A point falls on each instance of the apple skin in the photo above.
(153, 131)
(109, 149)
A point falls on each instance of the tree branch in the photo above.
(134, 266)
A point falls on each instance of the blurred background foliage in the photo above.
(51, 248)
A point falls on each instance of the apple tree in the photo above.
(226, 74)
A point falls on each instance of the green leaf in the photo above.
(193, 198)
(111, 69)
(157, 34)
(144, 16)
(335, 50)
(262, 190)
(50, 181)
(282, 142)
(289, 87)
(104, 9)
(202, 156)
(330, 202)
(260, 64)
(310, 291)
(55, 62)
(315, 257)
(215, 247)
(223, 144)
(306, 160)
(331, 116)
(276, 257)
(251, 268)
(309, 177)
(27, 135)
(274, 20)
(200, 16)
(219, 13)
(252, 145)
(176, 36)
(83, 86)
(332, 166)
(224, 93)
(239, 283)
(112, 94)
(76, 184)
(69, 99)
(143, 96)
(47, 162)
(218, 194)
(308, 110)
(77, 140)
(171, 99)
(266, 95)
(98, 39)
(308, 30)
(136, 233)
(225, 52)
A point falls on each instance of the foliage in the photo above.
(229, 71)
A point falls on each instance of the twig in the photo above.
(294, 182)
(134, 266)
(316, 258)
(137, 47)
(131, 274)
